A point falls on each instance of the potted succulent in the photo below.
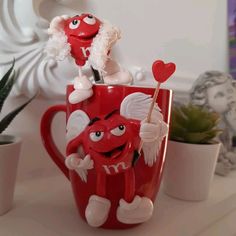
(192, 152)
(9, 145)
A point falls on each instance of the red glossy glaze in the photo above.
(47, 139)
(80, 32)
(147, 179)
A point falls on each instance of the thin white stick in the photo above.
(80, 71)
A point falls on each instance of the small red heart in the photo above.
(162, 71)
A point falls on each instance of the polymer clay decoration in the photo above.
(109, 142)
(88, 40)
(112, 143)
(217, 92)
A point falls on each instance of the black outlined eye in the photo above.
(74, 24)
(90, 20)
(96, 136)
(118, 131)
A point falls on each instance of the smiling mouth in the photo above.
(86, 38)
(114, 153)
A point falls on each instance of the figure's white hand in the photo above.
(81, 166)
(82, 82)
(152, 136)
(150, 132)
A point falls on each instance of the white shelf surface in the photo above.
(45, 206)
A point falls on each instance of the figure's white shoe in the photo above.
(121, 77)
(79, 95)
(138, 211)
(97, 211)
(82, 82)
(114, 74)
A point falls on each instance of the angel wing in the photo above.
(136, 106)
(76, 123)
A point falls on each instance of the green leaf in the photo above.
(215, 118)
(201, 125)
(5, 78)
(189, 111)
(5, 91)
(210, 135)
(196, 137)
(4, 123)
(178, 117)
(176, 131)
(193, 124)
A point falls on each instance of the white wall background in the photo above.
(193, 34)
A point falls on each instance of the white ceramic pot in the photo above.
(189, 170)
(9, 156)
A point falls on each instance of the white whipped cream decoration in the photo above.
(102, 44)
(24, 37)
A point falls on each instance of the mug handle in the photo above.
(46, 135)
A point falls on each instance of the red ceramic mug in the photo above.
(114, 186)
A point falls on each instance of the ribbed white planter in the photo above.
(9, 156)
(189, 170)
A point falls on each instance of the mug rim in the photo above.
(123, 85)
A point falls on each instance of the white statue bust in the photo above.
(217, 92)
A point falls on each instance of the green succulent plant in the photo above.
(6, 84)
(194, 124)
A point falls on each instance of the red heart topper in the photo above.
(162, 71)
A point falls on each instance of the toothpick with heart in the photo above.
(161, 72)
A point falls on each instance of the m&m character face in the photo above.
(80, 32)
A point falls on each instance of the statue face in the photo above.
(222, 97)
